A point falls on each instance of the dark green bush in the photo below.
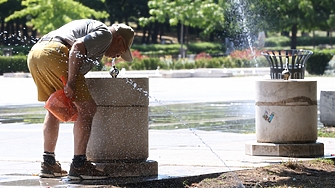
(137, 65)
(281, 41)
(150, 63)
(16, 50)
(178, 65)
(13, 64)
(200, 63)
(312, 41)
(318, 62)
(189, 65)
(213, 63)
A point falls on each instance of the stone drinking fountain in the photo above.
(119, 139)
(286, 114)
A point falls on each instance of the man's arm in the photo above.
(76, 56)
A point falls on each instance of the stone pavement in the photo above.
(180, 153)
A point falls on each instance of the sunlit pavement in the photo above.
(179, 153)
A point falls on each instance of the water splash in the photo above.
(238, 5)
(146, 93)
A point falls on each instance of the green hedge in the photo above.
(13, 64)
(315, 65)
(281, 41)
(318, 62)
(172, 49)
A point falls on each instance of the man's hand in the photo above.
(70, 89)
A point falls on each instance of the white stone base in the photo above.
(284, 150)
(327, 105)
(130, 169)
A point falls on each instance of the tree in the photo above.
(14, 31)
(294, 15)
(204, 14)
(47, 15)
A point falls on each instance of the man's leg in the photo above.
(50, 132)
(47, 79)
(50, 167)
(82, 127)
(80, 167)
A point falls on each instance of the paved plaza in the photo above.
(179, 153)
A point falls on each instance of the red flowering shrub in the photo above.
(203, 55)
(136, 54)
(245, 54)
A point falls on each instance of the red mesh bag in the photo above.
(61, 106)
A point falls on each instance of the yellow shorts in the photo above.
(47, 62)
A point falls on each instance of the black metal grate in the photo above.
(295, 59)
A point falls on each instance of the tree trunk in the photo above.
(25, 32)
(147, 41)
(294, 36)
(186, 36)
(330, 38)
(8, 33)
(161, 32)
(313, 39)
(2, 29)
(33, 35)
(18, 34)
(178, 32)
(155, 33)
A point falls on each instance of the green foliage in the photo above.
(318, 62)
(16, 50)
(324, 132)
(172, 49)
(312, 41)
(277, 41)
(157, 49)
(205, 14)
(125, 65)
(98, 67)
(282, 41)
(137, 65)
(208, 47)
(189, 65)
(178, 65)
(13, 64)
(47, 15)
(150, 63)
(213, 63)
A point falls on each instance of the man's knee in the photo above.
(87, 108)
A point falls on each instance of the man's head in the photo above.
(127, 34)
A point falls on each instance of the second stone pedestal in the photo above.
(286, 119)
(119, 136)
